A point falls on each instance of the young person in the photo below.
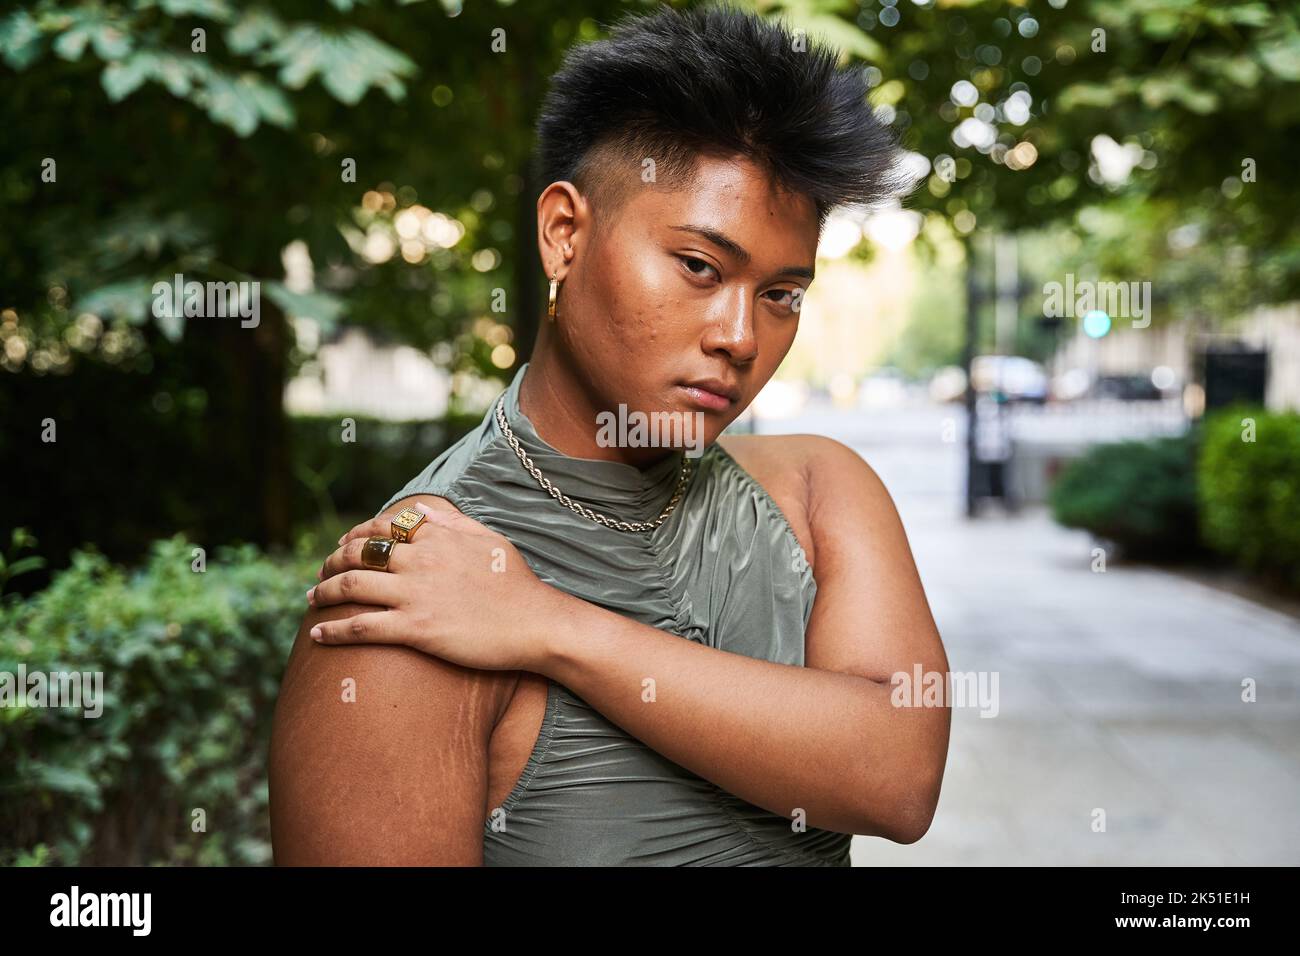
(596, 652)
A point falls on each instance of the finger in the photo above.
(382, 524)
(452, 518)
(342, 558)
(381, 588)
(381, 527)
(371, 627)
(348, 556)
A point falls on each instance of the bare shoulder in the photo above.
(812, 478)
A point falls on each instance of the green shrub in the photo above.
(1249, 490)
(1141, 495)
(191, 666)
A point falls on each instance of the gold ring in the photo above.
(376, 552)
(405, 522)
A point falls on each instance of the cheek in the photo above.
(775, 337)
(646, 304)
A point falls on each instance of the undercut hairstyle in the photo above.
(672, 86)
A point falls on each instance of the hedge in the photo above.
(1140, 495)
(1248, 484)
(191, 664)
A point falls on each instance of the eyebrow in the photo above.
(736, 250)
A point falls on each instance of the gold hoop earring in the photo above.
(550, 305)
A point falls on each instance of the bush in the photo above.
(1139, 495)
(1249, 490)
(191, 666)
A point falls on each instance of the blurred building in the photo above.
(1173, 347)
(355, 374)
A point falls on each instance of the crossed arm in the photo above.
(823, 738)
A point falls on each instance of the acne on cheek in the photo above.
(641, 328)
(642, 314)
(641, 303)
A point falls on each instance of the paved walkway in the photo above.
(1119, 691)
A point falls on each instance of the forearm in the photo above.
(782, 737)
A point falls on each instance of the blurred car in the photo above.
(1127, 388)
(1017, 378)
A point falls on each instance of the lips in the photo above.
(712, 393)
(716, 386)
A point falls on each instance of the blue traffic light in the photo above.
(1096, 324)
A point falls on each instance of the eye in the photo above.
(687, 261)
(787, 299)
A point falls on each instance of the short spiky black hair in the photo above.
(714, 80)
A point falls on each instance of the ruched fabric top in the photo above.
(724, 569)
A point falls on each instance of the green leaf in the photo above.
(255, 29)
(269, 100)
(20, 39)
(1240, 70)
(110, 42)
(1161, 25)
(230, 104)
(132, 649)
(212, 9)
(92, 26)
(72, 43)
(348, 64)
(124, 77)
(345, 73)
(129, 299)
(68, 780)
(23, 565)
(321, 306)
(1281, 55)
(298, 55)
(1089, 94)
(172, 326)
(137, 232)
(1246, 15)
(1178, 87)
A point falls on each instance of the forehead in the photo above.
(737, 197)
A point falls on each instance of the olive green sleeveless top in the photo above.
(724, 570)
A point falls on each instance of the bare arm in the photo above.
(824, 738)
(396, 778)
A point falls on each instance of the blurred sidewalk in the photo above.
(1118, 690)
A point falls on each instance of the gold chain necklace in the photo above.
(574, 506)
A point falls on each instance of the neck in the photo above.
(563, 412)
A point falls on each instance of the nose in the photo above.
(731, 329)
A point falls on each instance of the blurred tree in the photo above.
(1163, 114)
(204, 137)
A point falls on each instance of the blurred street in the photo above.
(1119, 690)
